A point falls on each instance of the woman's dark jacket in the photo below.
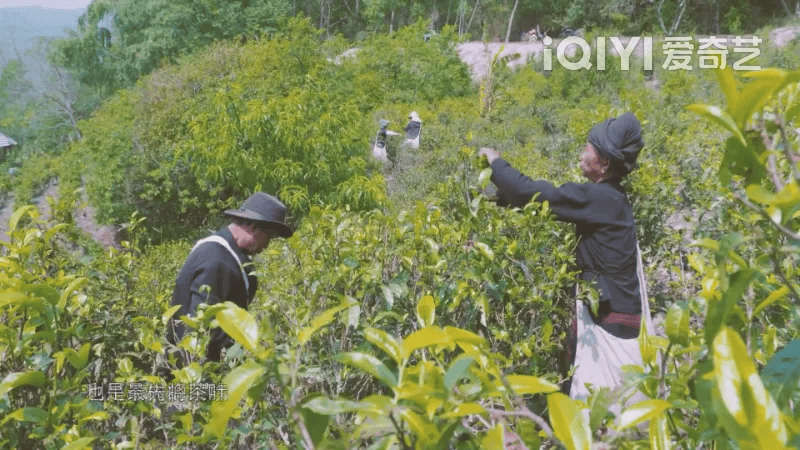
(213, 265)
(606, 251)
(412, 129)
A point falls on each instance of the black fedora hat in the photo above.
(264, 208)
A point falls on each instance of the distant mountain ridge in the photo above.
(21, 27)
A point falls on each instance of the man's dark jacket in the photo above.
(213, 265)
(606, 251)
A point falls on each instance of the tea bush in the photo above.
(415, 313)
(197, 136)
(200, 135)
(47, 344)
(402, 67)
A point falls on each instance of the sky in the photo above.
(21, 27)
(54, 4)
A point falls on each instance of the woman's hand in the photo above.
(489, 153)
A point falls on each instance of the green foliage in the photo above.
(37, 173)
(479, 275)
(402, 68)
(46, 355)
(172, 29)
(206, 133)
(407, 311)
(71, 328)
(13, 88)
(430, 398)
(213, 127)
(105, 177)
(40, 115)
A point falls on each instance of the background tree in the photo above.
(511, 19)
(14, 100)
(147, 34)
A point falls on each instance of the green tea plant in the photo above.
(480, 264)
(46, 353)
(756, 271)
(199, 135)
(408, 311)
(438, 394)
(402, 68)
(482, 267)
(68, 339)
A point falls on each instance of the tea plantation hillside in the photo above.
(408, 311)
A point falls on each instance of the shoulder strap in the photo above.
(220, 240)
(643, 291)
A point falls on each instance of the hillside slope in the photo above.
(476, 55)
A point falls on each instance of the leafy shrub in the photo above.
(389, 260)
(476, 298)
(402, 68)
(200, 136)
(748, 280)
(46, 351)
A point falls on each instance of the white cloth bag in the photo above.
(599, 356)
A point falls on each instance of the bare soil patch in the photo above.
(105, 235)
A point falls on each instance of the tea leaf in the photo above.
(240, 325)
(642, 412)
(17, 379)
(569, 424)
(370, 365)
(238, 383)
(425, 311)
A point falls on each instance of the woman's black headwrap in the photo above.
(619, 140)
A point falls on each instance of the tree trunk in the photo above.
(469, 25)
(449, 3)
(391, 23)
(511, 20)
(677, 21)
(460, 18)
(660, 19)
(65, 100)
(328, 18)
(786, 8)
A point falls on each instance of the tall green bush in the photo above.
(200, 137)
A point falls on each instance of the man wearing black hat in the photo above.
(218, 268)
(607, 250)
